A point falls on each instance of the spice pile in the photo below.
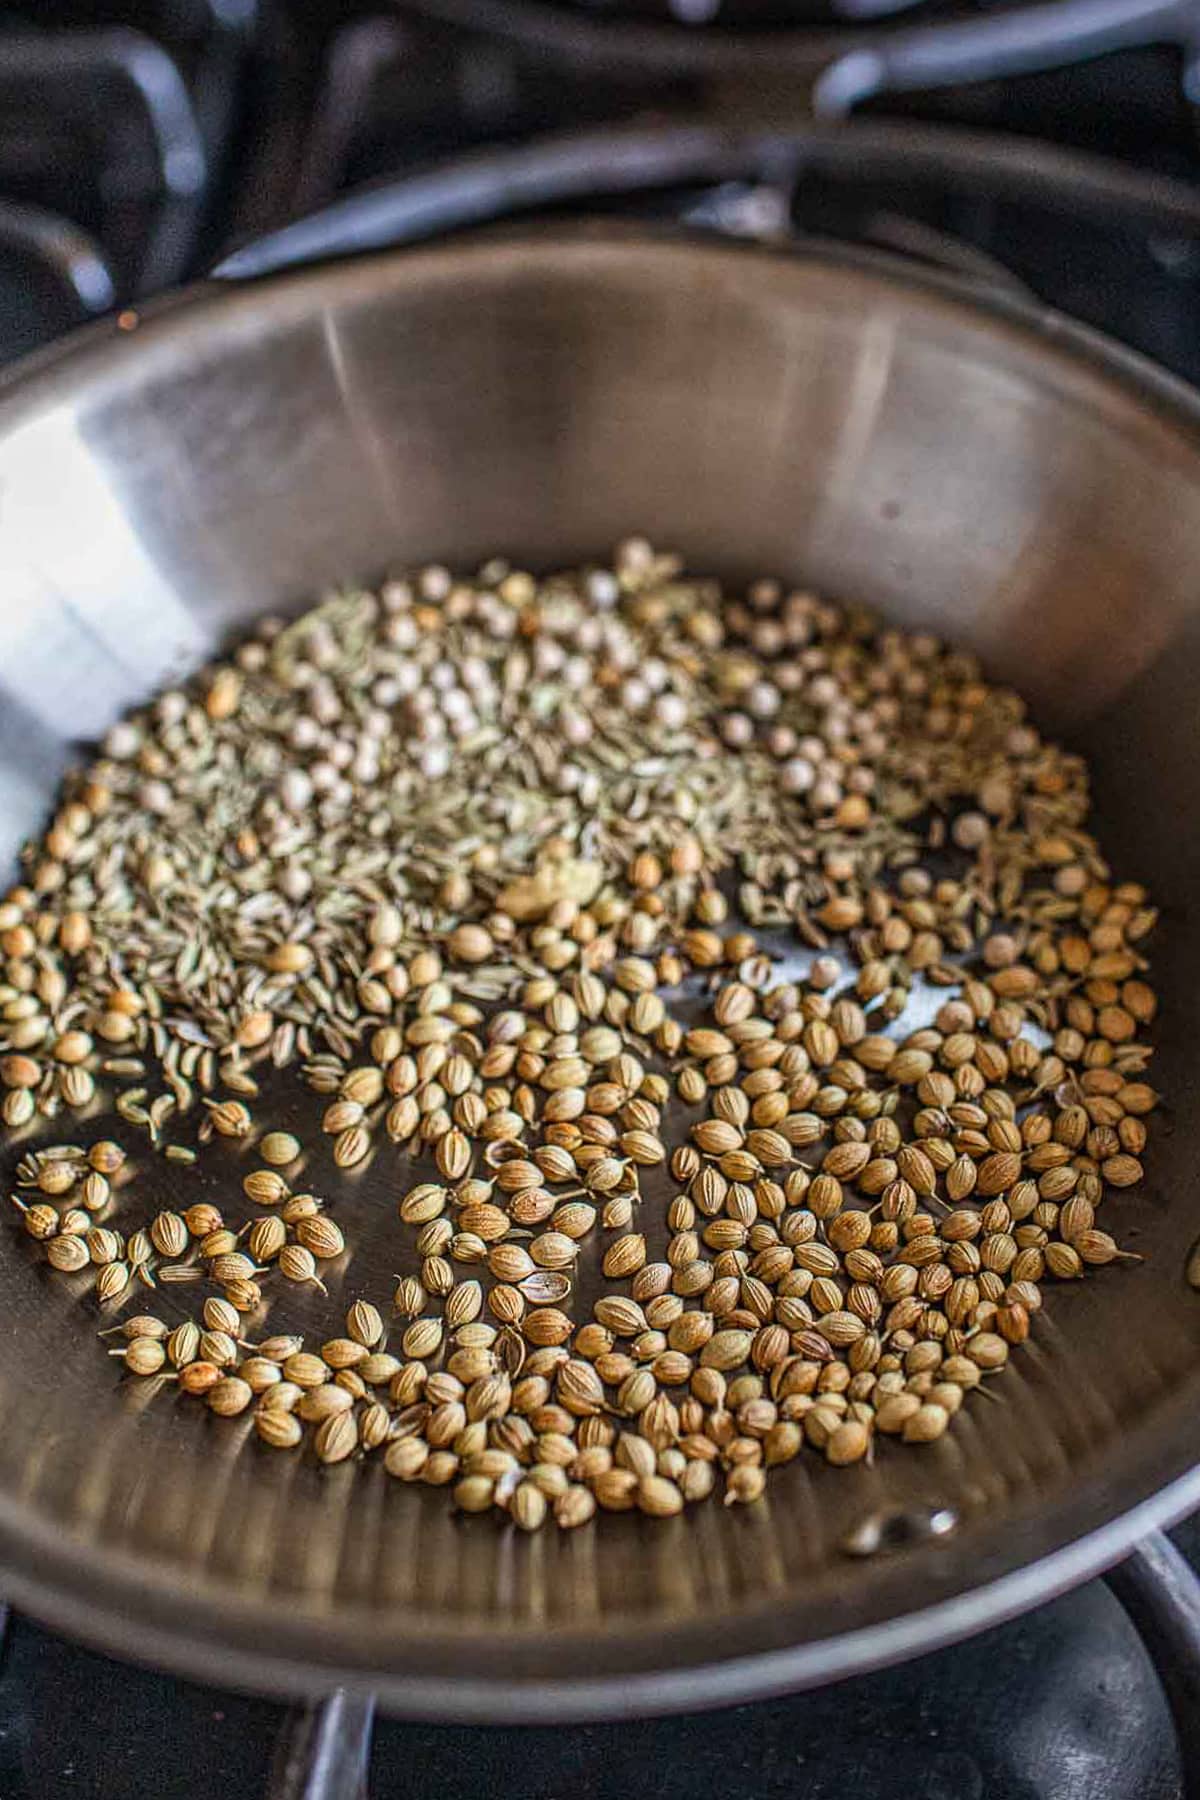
(607, 908)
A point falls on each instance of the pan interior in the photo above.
(873, 437)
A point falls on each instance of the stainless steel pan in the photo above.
(982, 468)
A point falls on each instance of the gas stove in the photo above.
(1049, 149)
(1062, 1704)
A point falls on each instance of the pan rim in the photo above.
(723, 1681)
(150, 1621)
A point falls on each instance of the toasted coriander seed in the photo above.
(625, 1256)
(848, 1443)
(144, 1325)
(336, 1438)
(183, 1345)
(351, 1147)
(67, 1254)
(320, 1235)
(230, 1396)
(104, 1247)
(218, 1347)
(658, 1497)
(112, 1281)
(230, 1118)
(56, 1178)
(573, 1507)
(266, 1238)
(202, 1219)
(199, 1378)
(422, 1339)
(280, 1396)
(17, 1108)
(745, 1484)
(40, 1221)
(306, 1370)
(169, 1234)
(364, 1324)
(265, 1187)
(278, 1148)
(144, 1356)
(281, 1430)
(409, 1297)
(295, 1263)
(527, 1508)
(406, 1458)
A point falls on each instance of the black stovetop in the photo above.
(1062, 1704)
(263, 109)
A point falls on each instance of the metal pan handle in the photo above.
(324, 1751)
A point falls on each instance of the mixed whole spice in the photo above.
(604, 910)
